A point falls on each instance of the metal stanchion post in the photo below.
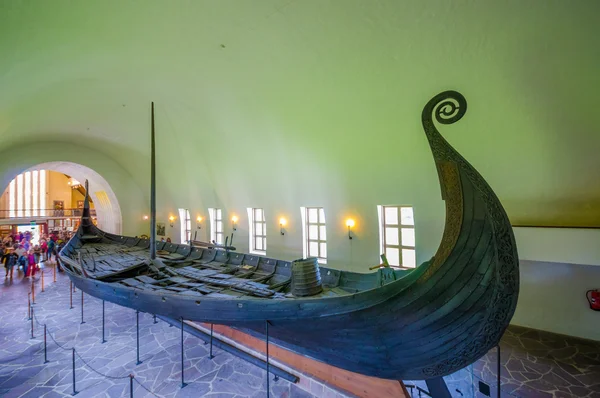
(54, 272)
(131, 386)
(267, 333)
(155, 321)
(32, 322)
(498, 371)
(103, 340)
(74, 390)
(137, 332)
(29, 306)
(82, 321)
(42, 279)
(182, 356)
(71, 290)
(211, 356)
(32, 291)
(45, 346)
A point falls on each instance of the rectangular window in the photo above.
(216, 225)
(20, 195)
(397, 235)
(314, 233)
(186, 225)
(27, 194)
(12, 202)
(258, 231)
(35, 194)
(42, 192)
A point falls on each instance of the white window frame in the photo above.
(186, 225)
(216, 223)
(321, 228)
(401, 246)
(254, 221)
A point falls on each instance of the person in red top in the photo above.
(31, 264)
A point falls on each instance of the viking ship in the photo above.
(394, 324)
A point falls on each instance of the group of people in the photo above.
(19, 251)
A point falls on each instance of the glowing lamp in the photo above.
(234, 221)
(198, 221)
(350, 225)
(171, 220)
(282, 223)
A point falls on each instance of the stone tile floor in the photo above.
(534, 364)
(24, 374)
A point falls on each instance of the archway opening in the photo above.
(51, 194)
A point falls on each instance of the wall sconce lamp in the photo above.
(198, 221)
(282, 223)
(145, 217)
(350, 225)
(234, 221)
(171, 220)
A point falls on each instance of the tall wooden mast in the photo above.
(153, 192)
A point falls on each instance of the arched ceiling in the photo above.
(300, 97)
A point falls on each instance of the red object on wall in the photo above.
(593, 297)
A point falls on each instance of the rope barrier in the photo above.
(100, 373)
(144, 387)
(85, 362)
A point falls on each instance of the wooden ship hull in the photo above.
(393, 324)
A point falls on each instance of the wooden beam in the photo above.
(354, 383)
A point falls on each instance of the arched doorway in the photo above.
(108, 211)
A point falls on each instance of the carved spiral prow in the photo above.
(449, 107)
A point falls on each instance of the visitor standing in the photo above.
(31, 264)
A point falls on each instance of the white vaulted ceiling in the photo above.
(278, 103)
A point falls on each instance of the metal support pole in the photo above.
(45, 346)
(498, 370)
(28, 306)
(71, 290)
(32, 291)
(183, 384)
(103, 340)
(155, 321)
(54, 272)
(32, 322)
(211, 356)
(267, 333)
(82, 321)
(74, 390)
(131, 386)
(42, 279)
(137, 332)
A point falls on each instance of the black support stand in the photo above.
(437, 388)
(103, 340)
(267, 334)
(137, 332)
(45, 346)
(82, 321)
(183, 384)
(155, 321)
(74, 390)
(498, 370)
(131, 386)
(71, 290)
(211, 356)
(32, 322)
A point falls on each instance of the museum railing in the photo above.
(44, 213)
